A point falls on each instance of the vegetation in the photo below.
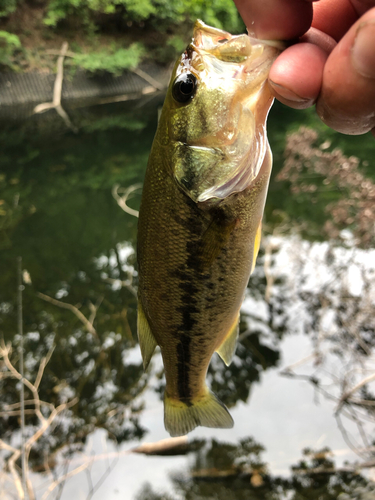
(114, 60)
(9, 43)
(108, 35)
(57, 211)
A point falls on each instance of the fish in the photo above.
(199, 225)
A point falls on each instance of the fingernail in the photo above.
(286, 93)
(363, 52)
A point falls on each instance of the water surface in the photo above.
(77, 245)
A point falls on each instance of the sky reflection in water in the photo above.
(77, 244)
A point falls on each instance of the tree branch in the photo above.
(57, 90)
(70, 307)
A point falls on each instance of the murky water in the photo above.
(297, 380)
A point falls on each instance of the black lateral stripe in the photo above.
(183, 369)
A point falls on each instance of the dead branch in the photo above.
(354, 389)
(57, 90)
(16, 477)
(122, 200)
(334, 470)
(132, 96)
(145, 76)
(42, 366)
(5, 351)
(124, 284)
(70, 307)
(149, 79)
(66, 476)
(94, 309)
(289, 369)
(162, 446)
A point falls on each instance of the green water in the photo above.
(57, 212)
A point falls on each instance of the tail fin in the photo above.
(207, 410)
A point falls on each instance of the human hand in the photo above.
(333, 65)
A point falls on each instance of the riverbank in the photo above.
(111, 35)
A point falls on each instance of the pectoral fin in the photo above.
(146, 339)
(228, 347)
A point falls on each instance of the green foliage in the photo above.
(7, 7)
(222, 13)
(137, 9)
(9, 43)
(60, 9)
(111, 60)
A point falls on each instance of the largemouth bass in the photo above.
(200, 218)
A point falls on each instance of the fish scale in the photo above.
(195, 257)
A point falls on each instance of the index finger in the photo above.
(276, 19)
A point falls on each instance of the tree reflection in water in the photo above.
(224, 471)
(57, 211)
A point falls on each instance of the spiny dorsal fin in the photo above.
(228, 347)
(146, 339)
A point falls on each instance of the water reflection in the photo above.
(227, 471)
(57, 211)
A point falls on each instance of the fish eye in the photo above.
(184, 87)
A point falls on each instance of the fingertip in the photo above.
(288, 97)
(334, 17)
(276, 19)
(347, 99)
(296, 75)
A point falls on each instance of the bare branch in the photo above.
(161, 446)
(15, 475)
(148, 78)
(121, 200)
(14, 409)
(57, 89)
(349, 393)
(94, 309)
(70, 307)
(14, 413)
(4, 352)
(70, 474)
(42, 366)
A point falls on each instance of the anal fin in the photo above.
(146, 339)
(228, 347)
